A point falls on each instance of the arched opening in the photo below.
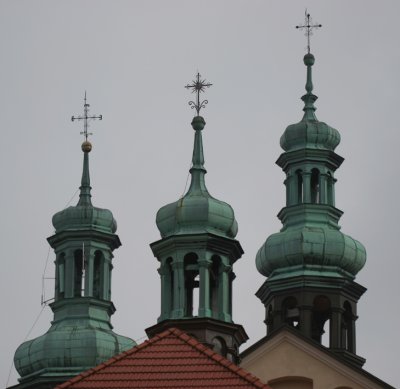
(291, 312)
(321, 313)
(299, 181)
(191, 285)
(78, 272)
(348, 340)
(97, 275)
(60, 276)
(219, 346)
(315, 188)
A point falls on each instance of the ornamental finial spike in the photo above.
(308, 26)
(198, 85)
(86, 145)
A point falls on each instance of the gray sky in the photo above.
(133, 58)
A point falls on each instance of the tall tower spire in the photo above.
(80, 336)
(310, 263)
(196, 254)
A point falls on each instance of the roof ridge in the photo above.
(187, 339)
(191, 341)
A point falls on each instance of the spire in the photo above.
(309, 98)
(196, 254)
(197, 170)
(84, 241)
(85, 188)
(310, 263)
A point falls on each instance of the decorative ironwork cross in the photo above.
(85, 117)
(308, 26)
(198, 85)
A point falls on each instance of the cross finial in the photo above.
(308, 26)
(198, 85)
(85, 117)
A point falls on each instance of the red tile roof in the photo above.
(171, 359)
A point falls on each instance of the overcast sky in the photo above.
(134, 58)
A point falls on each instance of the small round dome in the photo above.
(84, 217)
(197, 213)
(320, 247)
(310, 134)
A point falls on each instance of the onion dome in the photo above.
(310, 241)
(309, 132)
(197, 211)
(69, 347)
(313, 250)
(84, 215)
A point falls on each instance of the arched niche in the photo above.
(291, 382)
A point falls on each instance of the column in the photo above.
(333, 190)
(165, 278)
(335, 340)
(323, 195)
(306, 187)
(306, 320)
(352, 335)
(69, 273)
(291, 189)
(224, 295)
(89, 270)
(179, 287)
(105, 276)
(204, 287)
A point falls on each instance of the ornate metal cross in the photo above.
(198, 85)
(308, 26)
(85, 117)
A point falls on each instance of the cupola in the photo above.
(197, 211)
(310, 264)
(196, 253)
(81, 335)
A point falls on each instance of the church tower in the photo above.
(310, 264)
(80, 336)
(196, 254)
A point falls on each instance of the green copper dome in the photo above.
(310, 242)
(313, 247)
(84, 215)
(81, 335)
(197, 211)
(309, 132)
(72, 345)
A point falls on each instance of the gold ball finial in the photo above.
(86, 146)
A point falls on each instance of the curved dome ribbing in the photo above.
(70, 346)
(81, 335)
(310, 241)
(84, 215)
(309, 132)
(197, 211)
